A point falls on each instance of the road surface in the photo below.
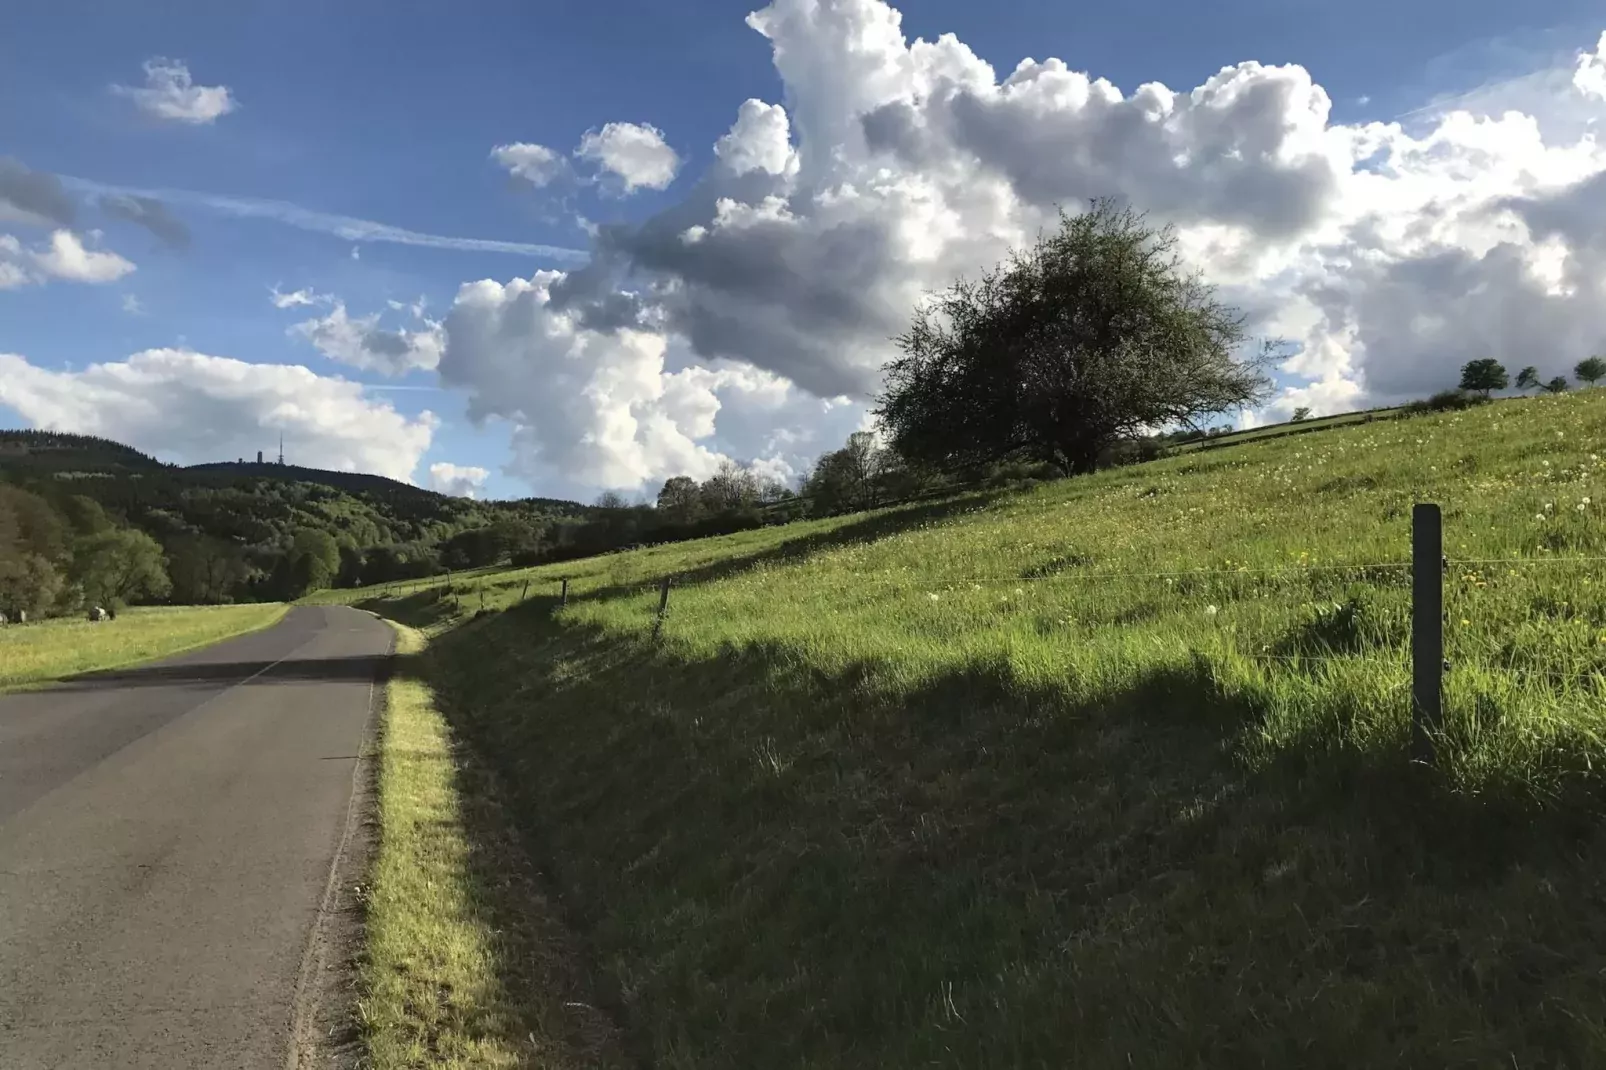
(166, 838)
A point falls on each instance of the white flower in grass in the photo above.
(1211, 611)
(933, 596)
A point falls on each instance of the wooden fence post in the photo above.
(663, 607)
(526, 592)
(563, 597)
(1427, 629)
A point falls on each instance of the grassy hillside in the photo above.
(40, 653)
(1110, 773)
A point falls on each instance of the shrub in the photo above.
(1446, 401)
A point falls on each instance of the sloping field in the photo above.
(37, 653)
(1109, 773)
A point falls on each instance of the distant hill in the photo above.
(251, 516)
(60, 451)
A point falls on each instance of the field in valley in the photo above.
(38, 653)
(1111, 772)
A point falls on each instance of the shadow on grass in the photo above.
(785, 867)
(869, 528)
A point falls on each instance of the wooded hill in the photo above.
(236, 531)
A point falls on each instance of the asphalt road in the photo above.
(166, 837)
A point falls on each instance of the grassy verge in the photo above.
(1010, 781)
(37, 654)
(465, 963)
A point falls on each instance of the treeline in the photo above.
(58, 557)
(81, 535)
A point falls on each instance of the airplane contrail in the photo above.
(342, 226)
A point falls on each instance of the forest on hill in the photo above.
(85, 520)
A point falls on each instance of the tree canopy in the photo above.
(1485, 375)
(1528, 378)
(1590, 370)
(1094, 334)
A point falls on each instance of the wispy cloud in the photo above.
(341, 226)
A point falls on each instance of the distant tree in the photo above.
(1095, 334)
(851, 478)
(1301, 414)
(309, 572)
(680, 501)
(731, 488)
(353, 563)
(1485, 376)
(1528, 378)
(29, 525)
(1590, 370)
(204, 570)
(30, 583)
(1558, 385)
(120, 565)
(318, 544)
(474, 548)
(85, 515)
(612, 499)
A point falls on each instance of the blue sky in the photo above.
(388, 113)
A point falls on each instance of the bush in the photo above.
(1446, 401)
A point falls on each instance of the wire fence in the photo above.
(1416, 648)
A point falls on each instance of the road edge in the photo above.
(323, 1025)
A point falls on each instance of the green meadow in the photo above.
(1107, 772)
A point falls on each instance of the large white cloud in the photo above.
(190, 407)
(1590, 76)
(460, 481)
(63, 256)
(634, 153)
(362, 343)
(170, 94)
(619, 407)
(1387, 253)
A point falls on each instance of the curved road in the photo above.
(166, 836)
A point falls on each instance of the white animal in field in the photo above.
(97, 614)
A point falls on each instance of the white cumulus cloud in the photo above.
(636, 154)
(535, 164)
(190, 407)
(618, 408)
(362, 343)
(64, 256)
(170, 94)
(296, 298)
(1385, 252)
(460, 481)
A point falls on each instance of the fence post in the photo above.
(663, 607)
(526, 592)
(563, 597)
(1427, 628)
(482, 596)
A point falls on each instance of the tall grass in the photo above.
(49, 650)
(1107, 773)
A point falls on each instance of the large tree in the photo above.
(1528, 378)
(120, 565)
(1096, 333)
(1485, 376)
(853, 477)
(1590, 370)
